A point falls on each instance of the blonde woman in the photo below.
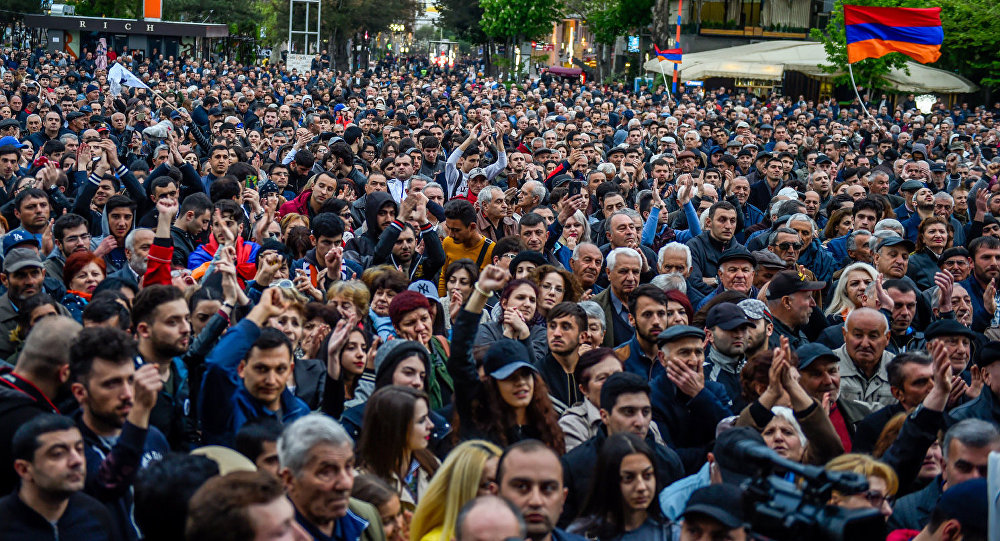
(468, 471)
(850, 291)
(882, 483)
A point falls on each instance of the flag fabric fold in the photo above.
(118, 75)
(669, 55)
(873, 32)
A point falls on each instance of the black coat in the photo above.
(580, 465)
(867, 431)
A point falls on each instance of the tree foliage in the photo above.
(462, 17)
(609, 19)
(341, 18)
(519, 20)
(122, 9)
(971, 39)
(243, 17)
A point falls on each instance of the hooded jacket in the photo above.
(363, 244)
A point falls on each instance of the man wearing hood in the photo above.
(380, 211)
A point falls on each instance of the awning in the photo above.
(770, 59)
(570, 72)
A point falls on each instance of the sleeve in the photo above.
(433, 253)
(462, 367)
(199, 137)
(649, 228)
(134, 188)
(158, 267)
(694, 224)
(221, 380)
(824, 443)
(498, 166)
(451, 174)
(383, 250)
(918, 433)
(117, 471)
(87, 190)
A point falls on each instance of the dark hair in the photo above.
(460, 209)
(894, 368)
(271, 338)
(587, 361)
(219, 510)
(465, 264)
(105, 306)
(25, 441)
(649, 291)
(372, 489)
(163, 490)
(618, 384)
(252, 436)
(569, 309)
(161, 181)
(526, 446)
(871, 204)
(518, 282)
(64, 222)
(106, 343)
(230, 208)
(982, 243)
(327, 313)
(224, 187)
(530, 220)
(510, 244)
(604, 510)
(149, 300)
(385, 431)
(298, 242)
(899, 284)
(33, 193)
(389, 278)
(724, 205)
(327, 224)
(120, 201)
(305, 158)
(196, 202)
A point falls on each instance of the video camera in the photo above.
(778, 509)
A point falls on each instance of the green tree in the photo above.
(462, 17)
(123, 9)
(517, 21)
(971, 40)
(23, 6)
(869, 72)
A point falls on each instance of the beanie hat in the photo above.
(405, 302)
(391, 353)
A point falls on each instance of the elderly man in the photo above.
(812, 256)
(624, 267)
(585, 264)
(891, 256)
(707, 248)
(316, 459)
(863, 359)
(790, 301)
(492, 217)
(736, 273)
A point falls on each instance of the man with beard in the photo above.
(863, 358)
(911, 377)
(116, 400)
(49, 459)
(923, 203)
(761, 330)
(728, 329)
(564, 325)
(707, 248)
(35, 383)
(317, 468)
(624, 267)
(400, 239)
(981, 284)
(648, 315)
(70, 234)
(160, 316)
(137, 244)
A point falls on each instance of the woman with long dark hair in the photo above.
(622, 504)
(393, 445)
(519, 319)
(510, 402)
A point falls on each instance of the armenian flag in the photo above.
(873, 32)
(670, 55)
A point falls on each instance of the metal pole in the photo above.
(291, 5)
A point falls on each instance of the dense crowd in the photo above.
(415, 303)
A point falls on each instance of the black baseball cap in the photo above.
(731, 465)
(722, 502)
(788, 282)
(726, 316)
(813, 352)
(505, 357)
(823, 158)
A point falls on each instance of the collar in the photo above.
(25, 386)
(849, 369)
(615, 301)
(721, 361)
(593, 415)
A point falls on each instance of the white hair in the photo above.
(788, 416)
(575, 256)
(130, 238)
(800, 217)
(486, 194)
(537, 189)
(300, 437)
(595, 311)
(889, 224)
(670, 281)
(672, 246)
(623, 251)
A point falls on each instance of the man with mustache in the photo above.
(981, 284)
(585, 264)
(863, 358)
(728, 331)
(624, 267)
(736, 272)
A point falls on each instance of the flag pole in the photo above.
(864, 107)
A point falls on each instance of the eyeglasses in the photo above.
(77, 238)
(876, 499)
(785, 246)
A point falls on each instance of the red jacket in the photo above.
(299, 205)
(158, 265)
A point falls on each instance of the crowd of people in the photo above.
(415, 304)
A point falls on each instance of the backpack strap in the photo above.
(487, 242)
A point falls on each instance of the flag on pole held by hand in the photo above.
(118, 76)
(669, 55)
(873, 32)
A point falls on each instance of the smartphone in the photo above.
(574, 187)
(240, 125)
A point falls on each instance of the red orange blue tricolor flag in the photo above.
(873, 32)
(669, 55)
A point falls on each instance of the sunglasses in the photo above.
(784, 246)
